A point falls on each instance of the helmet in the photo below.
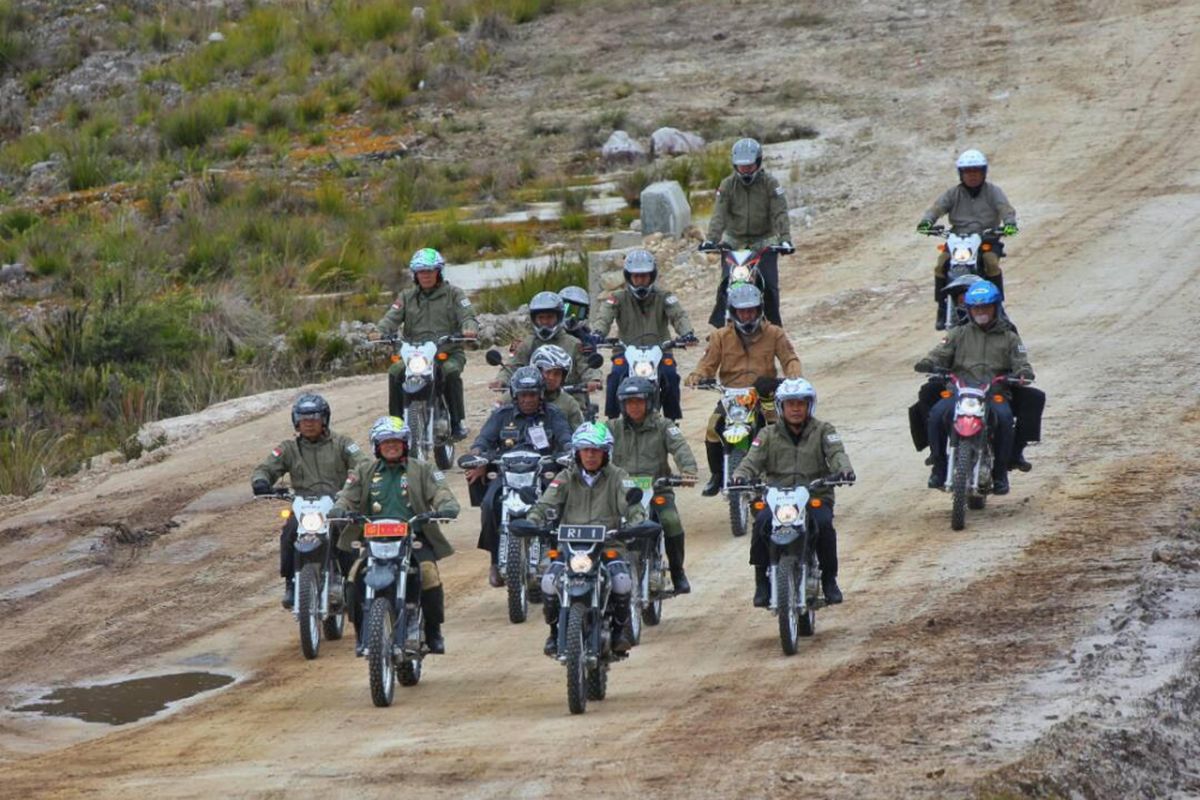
(526, 379)
(387, 429)
(982, 293)
(971, 159)
(576, 303)
(796, 389)
(746, 152)
(551, 356)
(961, 283)
(635, 386)
(310, 406)
(427, 259)
(640, 262)
(592, 435)
(745, 295)
(542, 302)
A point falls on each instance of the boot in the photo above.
(452, 390)
(939, 286)
(289, 593)
(937, 476)
(999, 481)
(829, 587)
(716, 466)
(550, 611)
(762, 588)
(495, 579)
(999, 282)
(1018, 460)
(433, 605)
(679, 581)
(621, 626)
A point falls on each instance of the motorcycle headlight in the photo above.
(787, 515)
(581, 562)
(739, 273)
(737, 414)
(971, 406)
(417, 365)
(385, 550)
(643, 369)
(312, 522)
(962, 254)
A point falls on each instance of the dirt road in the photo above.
(961, 663)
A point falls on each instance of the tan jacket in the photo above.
(737, 361)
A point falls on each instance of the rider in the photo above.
(317, 460)
(592, 491)
(398, 487)
(795, 451)
(555, 365)
(576, 308)
(529, 421)
(546, 313)
(644, 313)
(751, 212)
(973, 205)
(741, 353)
(644, 443)
(978, 352)
(429, 310)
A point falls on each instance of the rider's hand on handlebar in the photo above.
(496, 384)
(924, 365)
(337, 513)
(476, 473)
(707, 245)
(738, 480)
(785, 247)
(693, 379)
(470, 335)
(923, 226)
(847, 475)
(261, 487)
(688, 479)
(594, 386)
(1010, 229)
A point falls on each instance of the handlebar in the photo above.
(943, 232)
(725, 247)
(424, 516)
(1011, 380)
(450, 338)
(817, 484)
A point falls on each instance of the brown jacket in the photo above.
(737, 361)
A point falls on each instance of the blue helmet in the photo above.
(981, 293)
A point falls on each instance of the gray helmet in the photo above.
(745, 295)
(551, 356)
(746, 152)
(576, 304)
(526, 379)
(310, 406)
(640, 262)
(542, 302)
(796, 389)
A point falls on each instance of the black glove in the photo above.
(847, 475)
(337, 513)
(738, 480)
(260, 487)
(448, 513)
(924, 365)
(688, 338)
(708, 244)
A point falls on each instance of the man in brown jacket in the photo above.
(739, 354)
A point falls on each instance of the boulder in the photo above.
(665, 209)
(674, 142)
(12, 273)
(45, 178)
(621, 148)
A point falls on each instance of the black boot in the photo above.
(829, 587)
(452, 389)
(999, 481)
(762, 588)
(939, 287)
(622, 628)
(937, 476)
(289, 593)
(1018, 460)
(716, 466)
(550, 611)
(433, 605)
(674, 547)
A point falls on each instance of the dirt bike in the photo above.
(964, 250)
(585, 616)
(794, 573)
(740, 266)
(319, 603)
(743, 418)
(969, 450)
(394, 629)
(651, 554)
(426, 414)
(524, 475)
(644, 361)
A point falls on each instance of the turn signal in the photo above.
(759, 505)
(395, 359)
(985, 247)
(442, 356)
(999, 398)
(941, 247)
(670, 362)
(945, 393)
(815, 502)
(551, 554)
(610, 553)
(620, 362)
(287, 512)
(659, 500)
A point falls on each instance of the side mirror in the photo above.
(634, 496)
(595, 360)
(493, 357)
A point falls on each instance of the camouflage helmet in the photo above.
(747, 152)
(592, 435)
(551, 356)
(640, 262)
(541, 303)
(388, 429)
(427, 259)
(310, 406)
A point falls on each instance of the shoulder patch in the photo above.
(1021, 348)
(612, 299)
(351, 479)
(352, 448)
(554, 484)
(674, 430)
(779, 190)
(465, 303)
(439, 476)
(628, 484)
(832, 437)
(399, 304)
(671, 300)
(277, 452)
(757, 442)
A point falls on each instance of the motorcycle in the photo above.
(578, 390)
(394, 629)
(319, 603)
(739, 266)
(794, 572)
(651, 555)
(524, 475)
(585, 617)
(969, 451)
(743, 410)
(643, 361)
(964, 250)
(426, 414)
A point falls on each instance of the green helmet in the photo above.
(387, 429)
(427, 259)
(592, 435)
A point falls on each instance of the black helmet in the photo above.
(310, 406)
(526, 379)
(640, 262)
(541, 303)
(635, 386)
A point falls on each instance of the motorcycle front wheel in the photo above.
(739, 502)
(309, 604)
(785, 600)
(515, 579)
(964, 460)
(577, 694)
(380, 670)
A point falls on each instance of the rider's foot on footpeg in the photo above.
(833, 595)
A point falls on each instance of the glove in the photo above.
(847, 475)
(1010, 229)
(924, 365)
(448, 513)
(1025, 376)
(260, 487)
(708, 244)
(786, 247)
(337, 513)
(923, 226)
(688, 338)
(739, 480)
(693, 379)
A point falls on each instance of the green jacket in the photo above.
(979, 355)
(426, 488)
(422, 315)
(642, 322)
(521, 355)
(568, 405)
(577, 503)
(646, 448)
(750, 216)
(316, 468)
(780, 458)
(987, 208)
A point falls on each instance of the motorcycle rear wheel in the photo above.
(380, 669)
(310, 611)
(964, 459)
(577, 694)
(785, 599)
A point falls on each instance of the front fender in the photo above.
(308, 543)
(966, 427)
(380, 576)
(783, 536)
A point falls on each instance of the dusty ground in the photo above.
(1050, 650)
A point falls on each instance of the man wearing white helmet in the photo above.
(795, 451)
(972, 206)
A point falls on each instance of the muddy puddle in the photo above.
(126, 701)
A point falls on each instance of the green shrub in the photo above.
(276, 115)
(574, 222)
(28, 456)
(343, 271)
(386, 89)
(311, 107)
(373, 20)
(193, 124)
(149, 332)
(15, 222)
(331, 200)
(208, 255)
(510, 296)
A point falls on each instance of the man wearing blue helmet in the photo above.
(978, 352)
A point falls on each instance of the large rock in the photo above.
(621, 148)
(674, 142)
(603, 265)
(665, 209)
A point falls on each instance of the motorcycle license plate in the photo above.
(581, 533)
(385, 530)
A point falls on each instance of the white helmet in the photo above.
(972, 159)
(796, 389)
